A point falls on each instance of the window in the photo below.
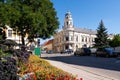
(10, 33)
(66, 47)
(76, 46)
(89, 39)
(82, 39)
(71, 38)
(67, 22)
(77, 38)
(67, 38)
(86, 39)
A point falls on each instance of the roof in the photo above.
(48, 42)
(84, 30)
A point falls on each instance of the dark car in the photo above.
(63, 51)
(107, 52)
(82, 51)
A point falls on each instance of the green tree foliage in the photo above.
(37, 18)
(115, 41)
(102, 36)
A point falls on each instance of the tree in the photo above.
(102, 36)
(115, 42)
(0, 33)
(37, 18)
(3, 33)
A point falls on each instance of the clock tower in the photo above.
(68, 21)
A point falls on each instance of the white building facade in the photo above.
(13, 35)
(71, 37)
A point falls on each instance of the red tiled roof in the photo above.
(48, 42)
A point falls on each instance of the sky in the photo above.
(89, 13)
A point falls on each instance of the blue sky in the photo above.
(88, 13)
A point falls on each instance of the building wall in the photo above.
(76, 40)
(48, 45)
(82, 40)
(57, 42)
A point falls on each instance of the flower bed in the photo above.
(42, 70)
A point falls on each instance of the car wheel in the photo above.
(74, 54)
(89, 54)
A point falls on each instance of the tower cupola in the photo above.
(68, 21)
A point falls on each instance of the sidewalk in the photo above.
(84, 74)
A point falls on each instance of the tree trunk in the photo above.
(23, 41)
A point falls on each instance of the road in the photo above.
(107, 68)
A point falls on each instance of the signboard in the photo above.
(37, 51)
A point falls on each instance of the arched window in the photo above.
(86, 39)
(67, 38)
(71, 38)
(67, 23)
(82, 39)
(76, 46)
(77, 38)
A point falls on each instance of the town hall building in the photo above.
(71, 37)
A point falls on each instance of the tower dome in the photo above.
(68, 14)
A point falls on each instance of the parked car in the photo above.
(82, 51)
(66, 51)
(117, 49)
(69, 51)
(50, 52)
(63, 51)
(93, 51)
(43, 51)
(107, 52)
